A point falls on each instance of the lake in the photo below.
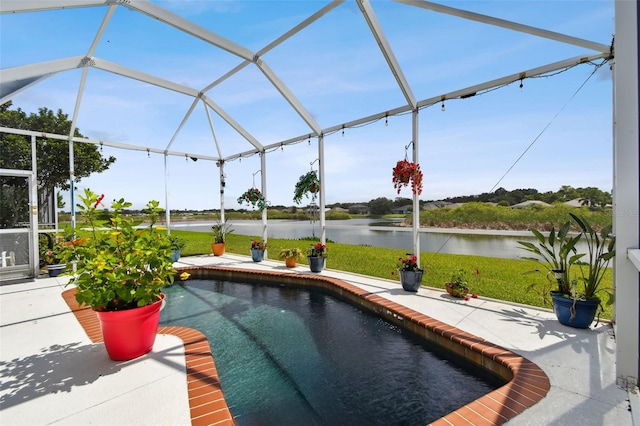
(383, 233)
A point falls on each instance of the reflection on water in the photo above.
(380, 233)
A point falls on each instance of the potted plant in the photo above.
(290, 256)
(257, 250)
(406, 173)
(253, 197)
(316, 256)
(120, 270)
(458, 285)
(575, 305)
(50, 252)
(220, 231)
(308, 183)
(410, 272)
(177, 245)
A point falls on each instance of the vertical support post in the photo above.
(626, 191)
(263, 189)
(416, 197)
(323, 231)
(222, 185)
(167, 212)
(72, 188)
(34, 254)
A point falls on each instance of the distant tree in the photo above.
(52, 156)
(380, 206)
(401, 201)
(593, 197)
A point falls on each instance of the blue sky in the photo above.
(335, 69)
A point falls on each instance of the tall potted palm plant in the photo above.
(575, 305)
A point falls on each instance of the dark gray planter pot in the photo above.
(316, 264)
(411, 280)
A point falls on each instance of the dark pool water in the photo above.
(290, 356)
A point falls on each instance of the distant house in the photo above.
(576, 202)
(339, 210)
(530, 203)
(359, 209)
(403, 209)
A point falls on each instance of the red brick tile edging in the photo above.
(206, 400)
(527, 385)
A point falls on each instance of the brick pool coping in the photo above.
(527, 383)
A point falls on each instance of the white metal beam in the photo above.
(106, 143)
(326, 9)
(40, 69)
(17, 6)
(387, 51)
(233, 123)
(176, 21)
(288, 95)
(599, 47)
(141, 76)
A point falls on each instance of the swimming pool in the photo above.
(300, 356)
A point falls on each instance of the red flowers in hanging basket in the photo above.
(405, 173)
(253, 196)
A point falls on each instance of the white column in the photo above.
(33, 187)
(222, 184)
(323, 188)
(263, 189)
(626, 218)
(416, 197)
(167, 213)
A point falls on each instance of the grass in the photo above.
(503, 279)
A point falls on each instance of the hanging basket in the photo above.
(307, 184)
(253, 197)
(406, 173)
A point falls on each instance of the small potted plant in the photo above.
(177, 245)
(406, 173)
(257, 250)
(316, 256)
(458, 285)
(290, 256)
(220, 231)
(253, 197)
(120, 270)
(410, 272)
(307, 184)
(50, 252)
(574, 305)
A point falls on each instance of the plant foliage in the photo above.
(119, 265)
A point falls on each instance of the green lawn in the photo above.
(503, 279)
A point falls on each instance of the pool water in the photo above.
(293, 356)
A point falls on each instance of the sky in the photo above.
(550, 132)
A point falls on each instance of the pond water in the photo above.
(382, 233)
(292, 356)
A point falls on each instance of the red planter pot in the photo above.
(131, 333)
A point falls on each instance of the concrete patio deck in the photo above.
(51, 373)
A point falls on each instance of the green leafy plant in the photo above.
(318, 250)
(600, 251)
(177, 243)
(253, 197)
(557, 253)
(288, 253)
(460, 279)
(220, 231)
(119, 265)
(258, 245)
(408, 263)
(50, 249)
(308, 183)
